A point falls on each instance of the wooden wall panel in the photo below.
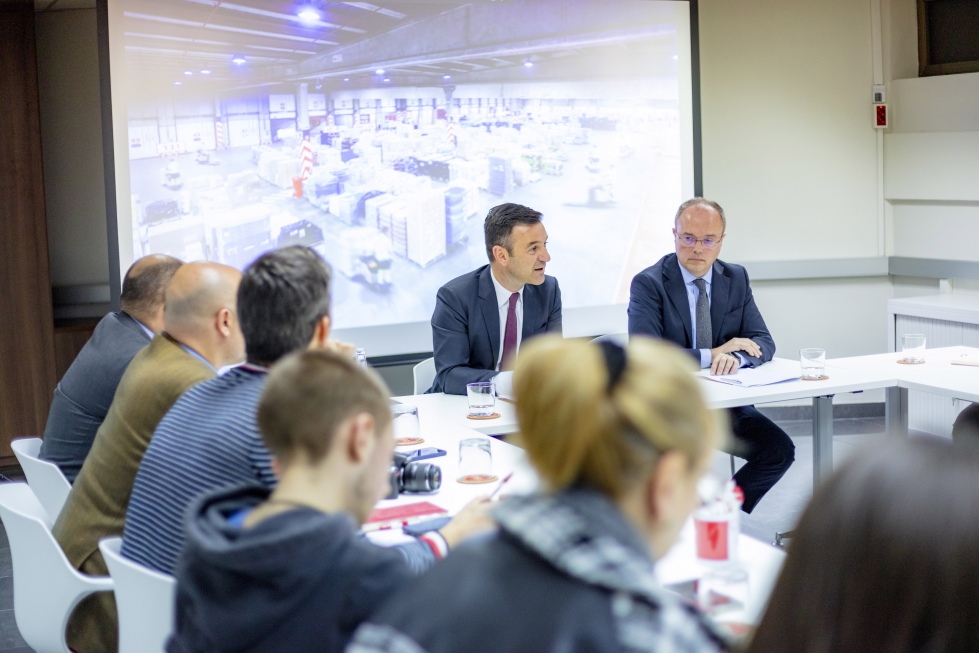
(27, 370)
(68, 341)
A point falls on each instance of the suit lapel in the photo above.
(673, 282)
(491, 311)
(718, 301)
(531, 311)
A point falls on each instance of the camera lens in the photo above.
(421, 477)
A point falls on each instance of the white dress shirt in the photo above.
(693, 294)
(503, 300)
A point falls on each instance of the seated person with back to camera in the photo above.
(705, 306)
(285, 569)
(482, 317)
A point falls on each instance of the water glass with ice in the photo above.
(913, 346)
(813, 363)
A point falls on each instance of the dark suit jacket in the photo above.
(82, 398)
(466, 327)
(658, 307)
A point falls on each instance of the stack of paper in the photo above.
(775, 371)
(966, 359)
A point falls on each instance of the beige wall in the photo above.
(71, 137)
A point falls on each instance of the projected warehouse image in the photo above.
(380, 135)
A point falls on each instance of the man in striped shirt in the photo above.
(210, 438)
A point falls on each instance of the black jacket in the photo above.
(82, 398)
(565, 574)
(466, 327)
(658, 307)
(300, 580)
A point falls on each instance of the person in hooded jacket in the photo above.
(620, 438)
(285, 570)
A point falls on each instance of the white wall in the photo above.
(71, 139)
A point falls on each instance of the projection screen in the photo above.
(380, 135)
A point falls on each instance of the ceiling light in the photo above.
(177, 83)
(205, 72)
(675, 57)
(387, 79)
(446, 76)
(188, 73)
(528, 64)
(379, 71)
(346, 79)
(309, 15)
(238, 59)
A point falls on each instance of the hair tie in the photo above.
(615, 361)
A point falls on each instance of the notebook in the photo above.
(398, 516)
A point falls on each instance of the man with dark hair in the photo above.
(82, 398)
(210, 438)
(482, 317)
(284, 569)
(705, 306)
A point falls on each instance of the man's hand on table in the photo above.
(474, 519)
(746, 345)
(724, 364)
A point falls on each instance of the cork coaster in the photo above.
(407, 442)
(818, 378)
(493, 416)
(904, 362)
(477, 479)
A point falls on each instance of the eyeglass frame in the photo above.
(714, 243)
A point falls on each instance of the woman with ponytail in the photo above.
(619, 438)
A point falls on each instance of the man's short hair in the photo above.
(308, 394)
(143, 293)
(282, 297)
(700, 201)
(500, 222)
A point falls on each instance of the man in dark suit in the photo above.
(82, 398)
(705, 306)
(482, 317)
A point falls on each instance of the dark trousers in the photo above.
(767, 448)
(966, 428)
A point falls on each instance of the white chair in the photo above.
(621, 339)
(144, 598)
(46, 480)
(46, 587)
(424, 374)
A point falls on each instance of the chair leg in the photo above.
(779, 537)
(732, 465)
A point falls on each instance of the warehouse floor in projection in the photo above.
(646, 185)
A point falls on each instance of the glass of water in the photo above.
(361, 356)
(407, 430)
(813, 363)
(913, 346)
(482, 399)
(475, 461)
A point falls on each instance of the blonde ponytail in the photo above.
(577, 431)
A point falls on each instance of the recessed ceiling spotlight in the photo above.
(238, 59)
(188, 73)
(177, 83)
(446, 76)
(205, 72)
(379, 71)
(346, 79)
(528, 64)
(309, 15)
(387, 79)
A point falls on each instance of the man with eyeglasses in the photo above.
(705, 306)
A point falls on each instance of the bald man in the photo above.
(200, 336)
(82, 398)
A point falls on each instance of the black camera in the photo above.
(407, 476)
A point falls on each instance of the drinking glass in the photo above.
(361, 356)
(475, 461)
(406, 427)
(482, 398)
(913, 346)
(723, 589)
(813, 363)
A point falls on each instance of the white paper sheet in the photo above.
(776, 371)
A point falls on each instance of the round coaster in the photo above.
(407, 442)
(477, 479)
(904, 362)
(493, 416)
(818, 378)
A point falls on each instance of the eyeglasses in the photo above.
(690, 241)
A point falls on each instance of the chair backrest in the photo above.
(144, 598)
(424, 374)
(46, 480)
(621, 339)
(46, 587)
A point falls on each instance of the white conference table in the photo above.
(441, 428)
(936, 375)
(452, 410)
